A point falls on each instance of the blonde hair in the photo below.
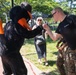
(40, 19)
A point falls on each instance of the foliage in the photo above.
(4, 6)
(37, 5)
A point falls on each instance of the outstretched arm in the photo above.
(54, 36)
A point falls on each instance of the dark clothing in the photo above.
(3, 47)
(17, 13)
(61, 63)
(68, 30)
(13, 63)
(70, 59)
(40, 49)
(14, 36)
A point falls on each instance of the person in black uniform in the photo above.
(15, 32)
(40, 47)
(66, 30)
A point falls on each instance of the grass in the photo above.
(29, 52)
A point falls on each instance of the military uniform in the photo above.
(61, 57)
(70, 61)
(60, 64)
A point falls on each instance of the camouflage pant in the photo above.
(70, 58)
(66, 62)
(60, 62)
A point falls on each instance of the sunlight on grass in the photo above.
(29, 52)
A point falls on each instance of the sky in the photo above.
(57, 0)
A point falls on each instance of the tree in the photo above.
(37, 5)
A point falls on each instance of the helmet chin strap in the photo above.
(24, 23)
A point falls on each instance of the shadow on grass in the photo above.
(55, 72)
(51, 62)
(56, 53)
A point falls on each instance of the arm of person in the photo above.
(33, 27)
(54, 36)
(25, 33)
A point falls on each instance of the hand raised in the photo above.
(45, 26)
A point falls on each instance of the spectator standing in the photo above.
(40, 47)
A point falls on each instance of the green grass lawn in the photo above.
(29, 52)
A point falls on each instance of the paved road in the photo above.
(32, 70)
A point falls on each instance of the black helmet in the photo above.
(26, 6)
